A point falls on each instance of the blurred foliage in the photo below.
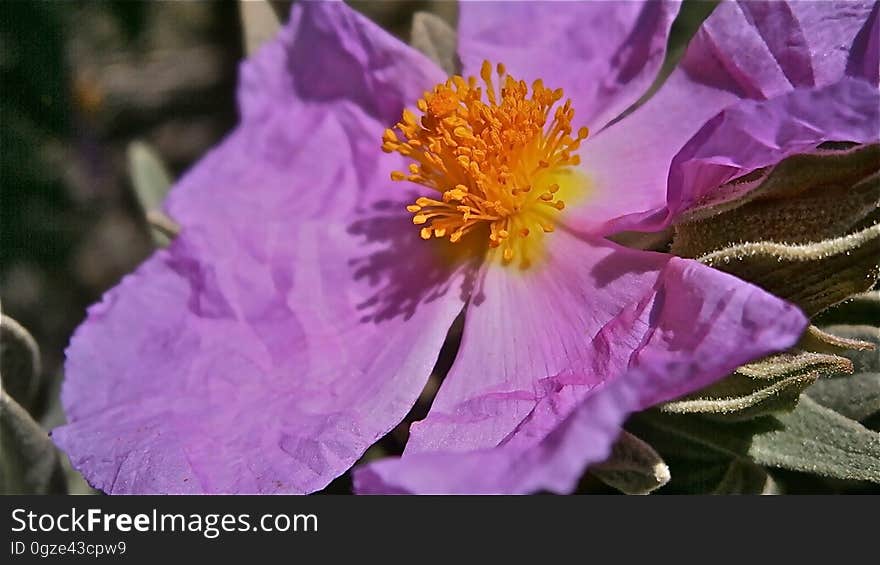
(34, 113)
(78, 82)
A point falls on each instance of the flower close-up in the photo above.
(371, 208)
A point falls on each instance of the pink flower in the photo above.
(297, 317)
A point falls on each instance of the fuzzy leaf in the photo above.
(770, 385)
(859, 309)
(804, 199)
(431, 35)
(787, 364)
(695, 436)
(858, 396)
(818, 440)
(633, 467)
(814, 276)
(820, 341)
(699, 451)
(151, 181)
(810, 439)
(864, 359)
(30, 463)
(19, 362)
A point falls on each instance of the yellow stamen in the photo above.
(495, 160)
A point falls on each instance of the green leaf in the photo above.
(19, 362)
(865, 359)
(818, 440)
(858, 396)
(810, 439)
(773, 384)
(30, 463)
(633, 467)
(431, 35)
(694, 436)
(151, 181)
(702, 454)
(814, 276)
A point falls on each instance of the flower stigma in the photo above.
(495, 163)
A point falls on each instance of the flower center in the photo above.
(493, 162)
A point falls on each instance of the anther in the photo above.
(483, 150)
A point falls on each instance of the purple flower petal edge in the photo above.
(745, 51)
(751, 135)
(604, 55)
(697, 325)
(279, 336)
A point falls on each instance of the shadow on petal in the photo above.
(406, 270)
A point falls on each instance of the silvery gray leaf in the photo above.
(818, 440)
(770, 385)
(804, 199)
(814, 276)
(857, 396)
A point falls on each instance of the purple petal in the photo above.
(691, 326)
(524, 330)
(314, 104)
(527, 333)
(604, 55)
(281, 334)
(746, 50)
(236, 371)
(751, 135)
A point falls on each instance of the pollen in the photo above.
(494, 159)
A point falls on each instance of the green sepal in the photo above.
(814, 276)
(805, 198)
(857, 396)
(773, 384)
(834, 340)
(861, 309)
